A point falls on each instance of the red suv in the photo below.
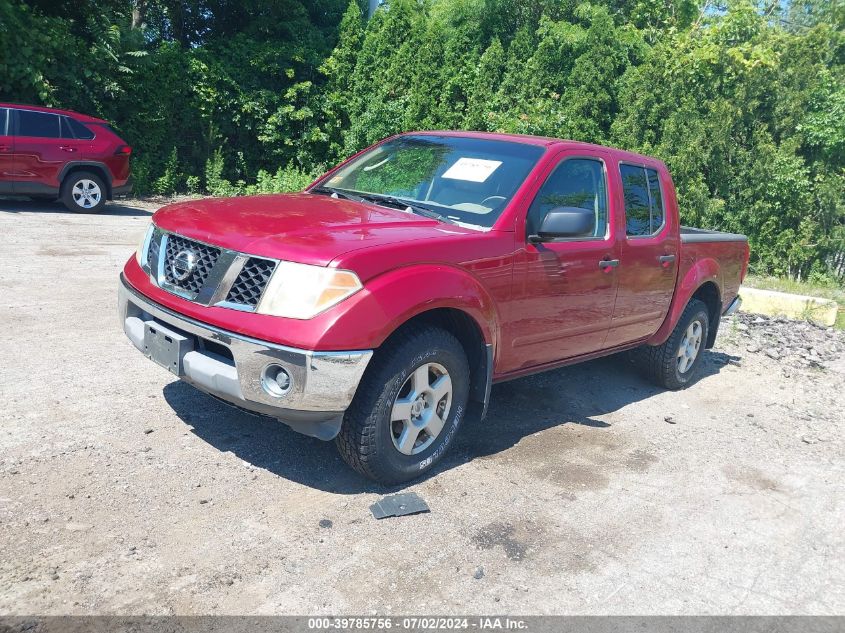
(49, 153)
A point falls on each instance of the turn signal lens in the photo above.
(302, 291)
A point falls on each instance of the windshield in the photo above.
(467, 180)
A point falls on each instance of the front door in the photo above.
(564, 290)
(648, 254)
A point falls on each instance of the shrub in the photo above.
(170, 181)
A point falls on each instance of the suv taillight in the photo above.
(123, 150)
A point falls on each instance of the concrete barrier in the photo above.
(773, 303)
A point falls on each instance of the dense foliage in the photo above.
(745, 101)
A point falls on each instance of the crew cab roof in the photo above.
(76, 115)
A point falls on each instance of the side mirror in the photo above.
(565, 222)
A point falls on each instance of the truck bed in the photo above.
(730, 250)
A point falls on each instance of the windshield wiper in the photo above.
(380, 198)
(338, 193)
(384, 199)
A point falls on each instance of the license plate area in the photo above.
(166, 347)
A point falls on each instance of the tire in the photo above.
(663, 364)
(84, 192)
(370, 441)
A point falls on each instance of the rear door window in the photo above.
(643, 200)
(637, 210)
(39, 124)
(4, 117)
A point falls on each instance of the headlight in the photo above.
(301, 291)
(144, 246)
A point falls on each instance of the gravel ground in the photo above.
(585, 491)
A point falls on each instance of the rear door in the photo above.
(565, 289)
(39, 151)
(649, 253)
(6, 148)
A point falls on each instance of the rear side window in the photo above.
(576, 182)
(40, 124)
(4, 117)
(79, 129)
(643, 200)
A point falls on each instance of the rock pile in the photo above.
(798, 343)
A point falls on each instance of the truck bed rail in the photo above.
(691, 235)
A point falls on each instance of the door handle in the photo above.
(67, 148)
(608, 263)
(4, 148)
(665, 260)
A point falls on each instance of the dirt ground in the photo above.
(585, 491)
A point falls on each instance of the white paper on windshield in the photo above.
(472, 169)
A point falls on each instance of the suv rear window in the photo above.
(79, 129)
(40, 124)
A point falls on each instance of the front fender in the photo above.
(702, 271)
(391, 299)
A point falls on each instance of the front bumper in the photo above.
(230, 366)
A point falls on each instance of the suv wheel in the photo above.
(84, 192)
(408, 406)
(673, 364)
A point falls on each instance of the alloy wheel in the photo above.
(86, 193)
(421, 408)
(690, 346)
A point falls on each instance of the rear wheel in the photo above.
(84, 192)
(408, 406)
(674, 364)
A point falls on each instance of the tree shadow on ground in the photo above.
(116, 208)
(518, 408)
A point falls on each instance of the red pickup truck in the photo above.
(378, 307)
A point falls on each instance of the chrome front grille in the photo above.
(206, 274)
(187, 263)
(250, 283)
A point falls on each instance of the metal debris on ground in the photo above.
(398, 505)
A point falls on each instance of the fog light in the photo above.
(276, 380)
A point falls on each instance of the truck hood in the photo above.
(302, 227)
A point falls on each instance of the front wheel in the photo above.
(408, 406)
(84, 192)
(673, 364)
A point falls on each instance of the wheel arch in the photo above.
(443, 295)
(708, 293)
(702, 281)
(469, 333)
(98, 168)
